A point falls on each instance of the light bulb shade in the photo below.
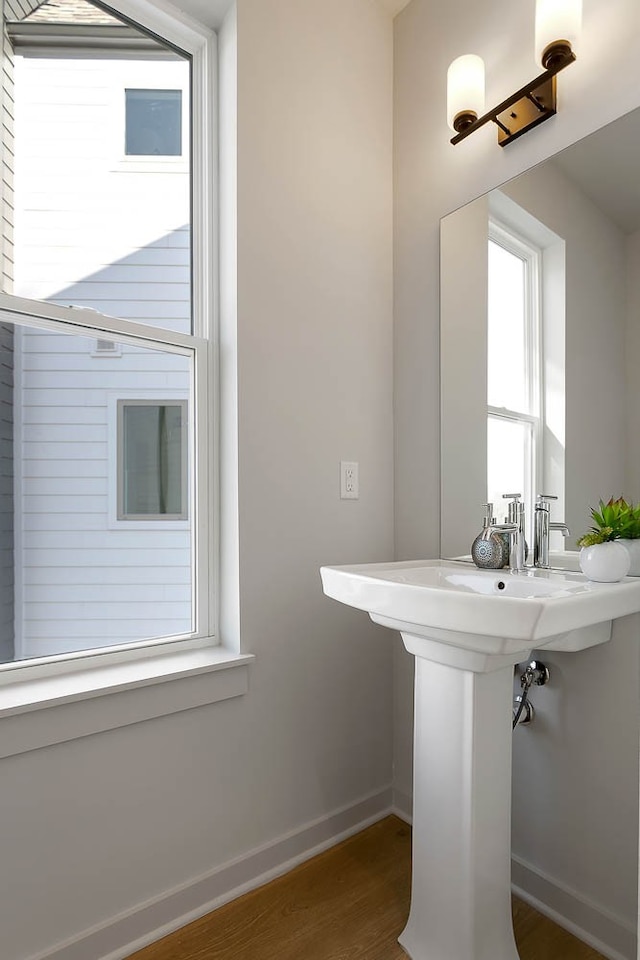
(465, 90)
(557, 20)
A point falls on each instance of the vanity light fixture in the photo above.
(557, 28)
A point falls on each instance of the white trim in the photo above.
(609, 934)
(147, 922)
(58, 708)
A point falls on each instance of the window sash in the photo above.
(204, 529)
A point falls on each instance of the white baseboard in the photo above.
(403, 806)
(610, 935)
(122, 935)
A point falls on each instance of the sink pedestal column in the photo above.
(461, 879)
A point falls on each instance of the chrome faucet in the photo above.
(515, 528)
(542, 528)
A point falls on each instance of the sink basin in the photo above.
(488, 612)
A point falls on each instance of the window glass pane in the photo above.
(153, 123)
(78, 576)
(506, 330)
(152, 459)
(508, 457)
(93, 226)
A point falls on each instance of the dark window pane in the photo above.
(153, 460)
(153, 123)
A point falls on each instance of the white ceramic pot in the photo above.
(605, 562)
(633, 549)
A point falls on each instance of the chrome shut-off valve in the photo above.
(536, 673)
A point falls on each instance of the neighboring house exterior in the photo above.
(102, 541)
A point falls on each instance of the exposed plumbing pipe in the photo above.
(536, 673)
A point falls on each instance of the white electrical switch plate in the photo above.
(349, 486)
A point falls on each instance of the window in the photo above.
(153, 123)
(106, 315)
(152, 460)
(514, 369)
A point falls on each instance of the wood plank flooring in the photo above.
(349, 903)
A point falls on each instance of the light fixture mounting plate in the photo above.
(532, 109)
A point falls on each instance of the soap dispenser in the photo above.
(492, 552)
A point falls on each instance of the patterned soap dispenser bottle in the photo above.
(489, 552)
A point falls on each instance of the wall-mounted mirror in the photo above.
(540, 353)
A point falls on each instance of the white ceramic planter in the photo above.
(633, 549)
(605, 562)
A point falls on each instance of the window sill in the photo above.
(57, 708)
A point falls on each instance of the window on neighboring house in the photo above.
(110, 462)
(153, 123)
(152, 460)
(514, 369)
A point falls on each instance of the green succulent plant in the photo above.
(614, 520)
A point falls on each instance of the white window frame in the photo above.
(36, 696)
(533, 416)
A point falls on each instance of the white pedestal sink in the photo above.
(467, 628)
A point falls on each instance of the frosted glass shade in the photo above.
(557, 20)
(465, 87)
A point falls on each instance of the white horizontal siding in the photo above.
(58, 504)
(133, 289)
(69, 486)
(104, 558)
(53, 468)
(63, 523)
(56, 433)
(97, 544)
(59, 577)
(111, 593)
(112, 631)
(161, 270)
(143, 609)
(65, 451)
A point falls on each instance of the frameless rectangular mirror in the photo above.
(540, 292)
(540, 344)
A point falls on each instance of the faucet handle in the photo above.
(516, 507)
(544, 500)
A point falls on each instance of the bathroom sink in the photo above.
(489, 612)
(467, 628)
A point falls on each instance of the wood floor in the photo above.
(349, 903)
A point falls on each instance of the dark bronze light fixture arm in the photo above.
(525, 109)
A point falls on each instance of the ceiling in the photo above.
(211, 12)
(605, 165)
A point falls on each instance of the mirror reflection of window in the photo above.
(514, 368)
